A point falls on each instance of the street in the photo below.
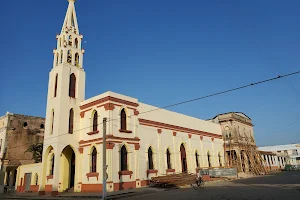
(285, 185)
(281, 186)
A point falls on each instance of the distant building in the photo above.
(17, 134)
(289, 152)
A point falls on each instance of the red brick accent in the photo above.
(170, 170)
(174, 133)
(109, 106)
(34, 188)
(109, 98)
(83, 112)
(81, 142)
(49, 177)
(136, 112)
(109, 145)
(137, 146)
(159, 131)
(190, 135)
(212, 139)
(152, 171)
(124, 185)
(125, 131)
(125, 172)
(144, 183)
(201, 137)
(48, 188)
(177, 128)
(92, 174)
(93, 132)
(80, 149)
(91, 188)
(54, 193)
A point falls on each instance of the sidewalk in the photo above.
(76, 195)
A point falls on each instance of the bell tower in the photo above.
(66, 87)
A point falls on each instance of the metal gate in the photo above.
(27, 181)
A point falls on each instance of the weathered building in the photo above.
(238, 136)
(17, 134)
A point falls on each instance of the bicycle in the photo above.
(198, 184)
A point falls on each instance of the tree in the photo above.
(37, 152)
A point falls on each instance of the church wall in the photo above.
(35, 170)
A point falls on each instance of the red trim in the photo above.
(177, 128)
(80, 149)
(159, 131)
(91, 188)
(212, 139)
(49, 177)
(108, 98)
(34, 188)
(48, 188)
(174, 133)
(109, 145)
(201, 137)
(136, 112)
(109, 106)
(125, 131)
(92, 174)
(125, 172)
(93, 132)
(108, 137)
(190, 135)
(124, 185)
(170, 170)
(152, 171)
(83, 112)
(144, 183)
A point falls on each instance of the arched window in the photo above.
(95, 121)
(94, 160)
(52, 165)
(123, 119)
(61, 56)
(69, 59)
(70, 40)
(52, 122)
(169, 159)
(36, 179)
(76, 43)
(55, 85)
(150, 158)
(220, 161)
(56, 59)
(71, 121)
(124, 166)
(72, 85)
(76, 59)
(197, 161)
(208, 159)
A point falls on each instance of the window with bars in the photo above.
(123, 119)
(169, 159)
(197, 161)
(72, 85)
(71, 121)
(94, 160)
(55, 85)
(150, 158)
(95, 121)
(124, 165)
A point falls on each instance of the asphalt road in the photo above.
(281, 186)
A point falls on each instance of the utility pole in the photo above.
(104, 160)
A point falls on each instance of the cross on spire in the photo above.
(70, 22)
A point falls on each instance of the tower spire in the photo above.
(70, 22)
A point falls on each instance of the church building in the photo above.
(142, 141)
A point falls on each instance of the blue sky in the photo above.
(163, 52)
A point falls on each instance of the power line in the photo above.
(196, 99)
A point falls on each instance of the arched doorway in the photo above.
(68, 160)
(183, 158)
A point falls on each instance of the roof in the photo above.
(238, 113)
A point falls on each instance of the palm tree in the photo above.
(37, 151)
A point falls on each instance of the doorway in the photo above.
(68, 160)
(183, 159)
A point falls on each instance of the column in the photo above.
(202, 153)
(174, 154)
(159, 168)
(56, 174)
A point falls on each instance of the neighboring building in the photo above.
(238, 135)
(140, 143)
(290, 153)
(17, 134)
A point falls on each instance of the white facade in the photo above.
(72, 154)
(290, 152)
